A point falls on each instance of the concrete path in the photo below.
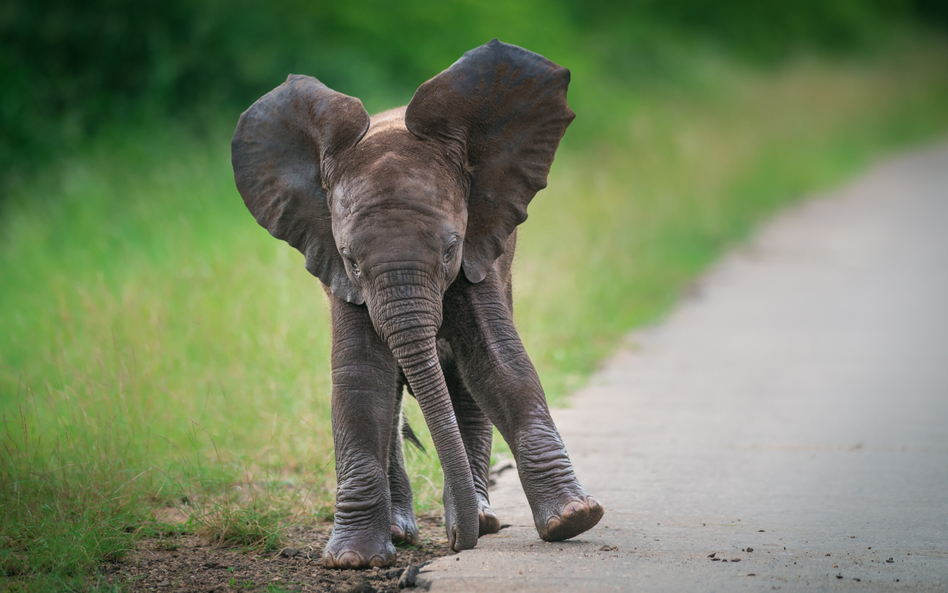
(791, 420)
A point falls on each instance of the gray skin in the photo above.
(409, 220)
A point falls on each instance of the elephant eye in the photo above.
(449, 253)
(352, 265)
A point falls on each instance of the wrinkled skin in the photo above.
(409, 220)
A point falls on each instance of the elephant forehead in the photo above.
(395, 208)
(394, 179)
(388, 181)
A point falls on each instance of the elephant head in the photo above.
(389, 210)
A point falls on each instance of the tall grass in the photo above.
(158, 348)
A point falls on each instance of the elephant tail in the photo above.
(409, 435)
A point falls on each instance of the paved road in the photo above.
(796, 407)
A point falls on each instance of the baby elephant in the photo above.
(409, 220)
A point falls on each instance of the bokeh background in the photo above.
(158, 349)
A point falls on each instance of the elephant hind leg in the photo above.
(404, 526)
(477, 433)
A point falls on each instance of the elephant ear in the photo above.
(282, 150)
(503, 109)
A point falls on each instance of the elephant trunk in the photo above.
(407, 317)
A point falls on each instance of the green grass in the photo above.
(158, 349)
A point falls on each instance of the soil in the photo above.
(188, 563)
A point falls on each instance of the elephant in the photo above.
(409, 218)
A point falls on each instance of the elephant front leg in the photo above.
(364, 376)
(504, 384)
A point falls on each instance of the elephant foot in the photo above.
(353, 551)
(405, 530)
(561, 506)
(571, 519)
(487, 519)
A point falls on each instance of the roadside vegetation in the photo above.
(164, 362)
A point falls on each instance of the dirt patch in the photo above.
(187, 563)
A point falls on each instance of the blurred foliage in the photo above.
(69, 69)
(770, 30)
